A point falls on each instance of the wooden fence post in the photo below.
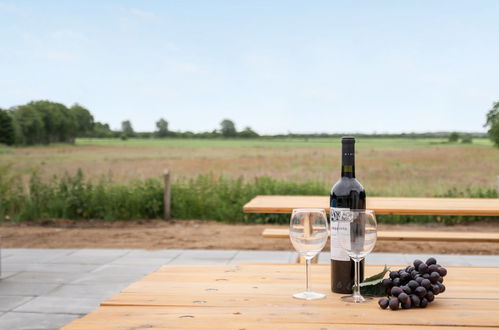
(167, 195)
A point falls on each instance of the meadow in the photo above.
(388, 167)
(212, 179)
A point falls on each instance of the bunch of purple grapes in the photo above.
(415, 286)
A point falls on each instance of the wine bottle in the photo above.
(346, 193)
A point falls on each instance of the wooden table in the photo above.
(381, 205)
(256, 296)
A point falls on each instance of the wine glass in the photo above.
(308, 232)
(356, 233)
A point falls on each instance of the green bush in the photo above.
(204, 197)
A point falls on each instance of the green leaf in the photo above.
(377, 276)
(372, 286)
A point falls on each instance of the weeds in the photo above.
(204, 197)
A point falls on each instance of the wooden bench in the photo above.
(410, 236)
(390, 205)
(255, 296)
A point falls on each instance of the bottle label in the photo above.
(337, 232)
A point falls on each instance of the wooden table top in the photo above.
(381, 205)
(258, 296)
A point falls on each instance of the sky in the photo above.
(276, 66)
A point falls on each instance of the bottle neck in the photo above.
(348, 160)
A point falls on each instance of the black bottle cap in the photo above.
(348, 139)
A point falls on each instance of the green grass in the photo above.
(204, 197)
(272, 142)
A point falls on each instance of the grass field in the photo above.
(389, 167)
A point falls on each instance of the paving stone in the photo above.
(112, 269)
(61, 268)
(98, 291)
(96, 278)
(172, 253)
(140, 261)
(101, 252)
(9, 288)
(59, 305)
(479, 260)
(43, 277)
(25, 321)
(261, 256)
(4, 275)
(86, 260)
(8, 303)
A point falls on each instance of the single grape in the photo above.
(409, 269)
(435, 289)
(414, 274)
(442, 288)
(430, 296)
(396, 291)
(425, 283)
(413, 285)
(407, 304)
(431, 261)
(434, 277)
(403, 297)
(404, 276)
(420, 291)
(432, 268)
(426, 276)
(441, 279)
(394, 274)
(442, 271)
(423, 303)
(383, 303)
(387, 283)
(415, 300)
(394, 304)
(423, 268)
(406, 289)
(396, 281)
(416, 263)
(419, 280)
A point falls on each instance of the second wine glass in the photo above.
(357, 234)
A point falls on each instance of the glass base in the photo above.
(309, 295)
(356, 299)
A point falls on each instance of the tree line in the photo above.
(45, 122)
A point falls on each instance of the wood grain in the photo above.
(258, 296)
(381, 205)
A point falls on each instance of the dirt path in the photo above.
(196, 234)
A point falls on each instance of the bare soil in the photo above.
(197, 234)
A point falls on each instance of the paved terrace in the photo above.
(47, 288)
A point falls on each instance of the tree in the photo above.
(162, 126)
(453, 137)
(7, 134)
(248, 133)
(127, 129)
(84, 120)
(31, 129)
(228, 129)
(101, 130)
(467, 138)
(493, 124)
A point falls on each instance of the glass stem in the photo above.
(308, 272)
(356, 292)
